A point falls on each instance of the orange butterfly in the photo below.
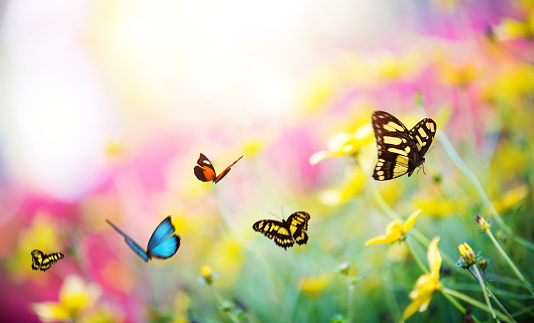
(205, 171)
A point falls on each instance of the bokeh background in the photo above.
(106, 105)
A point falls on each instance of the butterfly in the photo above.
(205, 171)
(287, 232)
(42, 261)
(163, 243)
(400, 151)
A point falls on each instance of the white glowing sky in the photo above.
(78, 73)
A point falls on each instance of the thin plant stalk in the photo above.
(416, 257)
(469, 174)
(473, 302)
(510, 262)
(219, 300)
(457, 304)
(350, 297)
(495, 299)
(474, 271)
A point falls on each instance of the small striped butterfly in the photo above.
(287, 232)
(400, 151)
(42, 261)
(163, 243)
(205, 171)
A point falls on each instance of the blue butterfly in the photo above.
(163, 243)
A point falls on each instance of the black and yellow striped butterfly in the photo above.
(42, 261)
(400, 151)
(287, 232)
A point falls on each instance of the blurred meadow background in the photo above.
(105, 107)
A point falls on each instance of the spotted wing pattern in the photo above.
(400, 150)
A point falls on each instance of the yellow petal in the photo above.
(434, 257)
(411, 220)
(394, 227)
(383, 239)
(411, 309)
(75, 295)
(321, 155)
(50, 312)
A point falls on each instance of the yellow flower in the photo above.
(436, 206)
(397, 67)
(320, 89)
(207, 275)
(114, 149)
(345, 143)
(509, 85)
(511, 198)
(314, 286)
(339, 196)
(75, 297)
(395, 230)
(468, 257)
(427, 284)
(458, 75)
(513, 29)
(103, 315)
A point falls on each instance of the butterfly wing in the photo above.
(49, 260)
(423, 134)
(397, 152)
(226, 171)
(163, 243)
(43, 262)
(37, 258)
(276, 230)
(204, 171)
(298, 224)
(132, 244)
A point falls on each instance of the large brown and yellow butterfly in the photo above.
(42, 261)
(400, 151)
(205, 171)
(287, 232)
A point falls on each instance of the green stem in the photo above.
(380, 200)
(350, 297)
(471, 177)
(457, 304)
(453, 155)
(416, 257)
(219, 300)
(510, 262)
(476, 273)
(479, 279)
(473, 302)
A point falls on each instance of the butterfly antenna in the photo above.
(276, 216)
(424, 169)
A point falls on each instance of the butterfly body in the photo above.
(42, 261)
(400, 150)
(205, 171)
(285, 233)
(163, 243)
